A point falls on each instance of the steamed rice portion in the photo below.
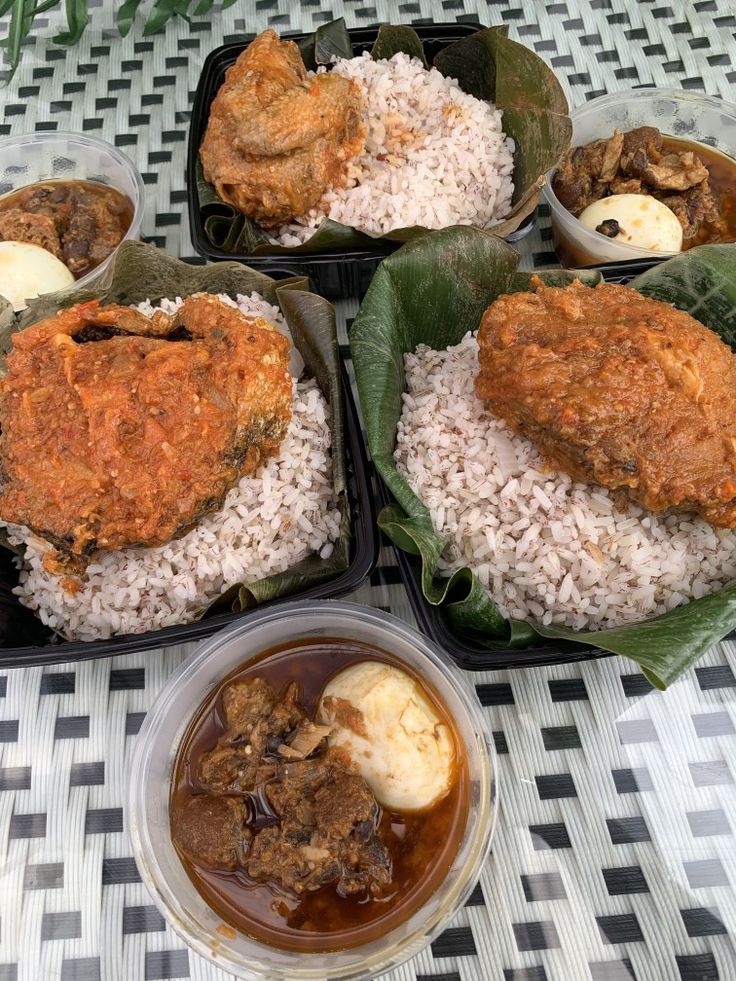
(269, 522)
(545, 547)
(434, 156)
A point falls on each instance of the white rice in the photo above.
(269, 522)
(434, 156)
(546, 548)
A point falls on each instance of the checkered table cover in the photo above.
(614, 854)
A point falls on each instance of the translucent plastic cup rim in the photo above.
(120, 158)
(149, 842)
(625, 250)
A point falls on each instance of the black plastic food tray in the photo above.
(471, 653)
(334, 273)
(25, 641)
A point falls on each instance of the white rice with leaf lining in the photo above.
(545, 547)
(434, 156)
(269, 522)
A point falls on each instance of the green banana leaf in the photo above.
(432, 291)
(486, 64)
(139, 272)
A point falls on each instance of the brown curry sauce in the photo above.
(421, 845)
(80, 222)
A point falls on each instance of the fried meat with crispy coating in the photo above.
(617, 389)
(276, 138)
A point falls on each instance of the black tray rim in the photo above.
(467, 653)
(365, 544)
(361, 38)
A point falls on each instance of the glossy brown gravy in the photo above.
(422, 845)
(81, 222)
(722, 178)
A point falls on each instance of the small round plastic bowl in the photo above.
(153, 762)
(684, 115)
(29, 159)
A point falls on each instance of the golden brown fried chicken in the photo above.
(277, 139)
(121, 430)
(618, 389)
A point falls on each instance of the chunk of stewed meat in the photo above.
(246, 701)
(258, 726)
(23, 226)
(327, 832)
(212, 831)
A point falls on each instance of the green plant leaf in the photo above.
(486, 64)
(139, 272)
(16, 33)
(77, 19)
(126, 15)
(161, 12)
(700, 281)
(395, 38)
(329, 41)
(434, 290)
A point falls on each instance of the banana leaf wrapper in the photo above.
(432, 291)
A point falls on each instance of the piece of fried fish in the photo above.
(122, 430)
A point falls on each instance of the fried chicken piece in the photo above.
(120, 430)
(277, 139)
(617, 389)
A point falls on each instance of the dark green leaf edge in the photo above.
(664, 646)
(542, 132)
(139, 272)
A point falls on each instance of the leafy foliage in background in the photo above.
(432, 291)
(23, 13)
(486, 64)
(139, 272)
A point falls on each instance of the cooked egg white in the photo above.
(382, 720)
(643, 221)
(27, 271)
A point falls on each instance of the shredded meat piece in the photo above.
(211, 831)
(327, 832)
(23, 226)
(246, 701)
(617, 389)
(307, 737)
(258, 725)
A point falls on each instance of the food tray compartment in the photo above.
(467, 651)
(24, 640)
(335, 274)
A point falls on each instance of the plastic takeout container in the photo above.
(30, 158)
(335, 273)
(166, 725)
(468, 651)
(24, 640)
(684, 115)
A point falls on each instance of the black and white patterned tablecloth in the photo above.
(614, 855)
